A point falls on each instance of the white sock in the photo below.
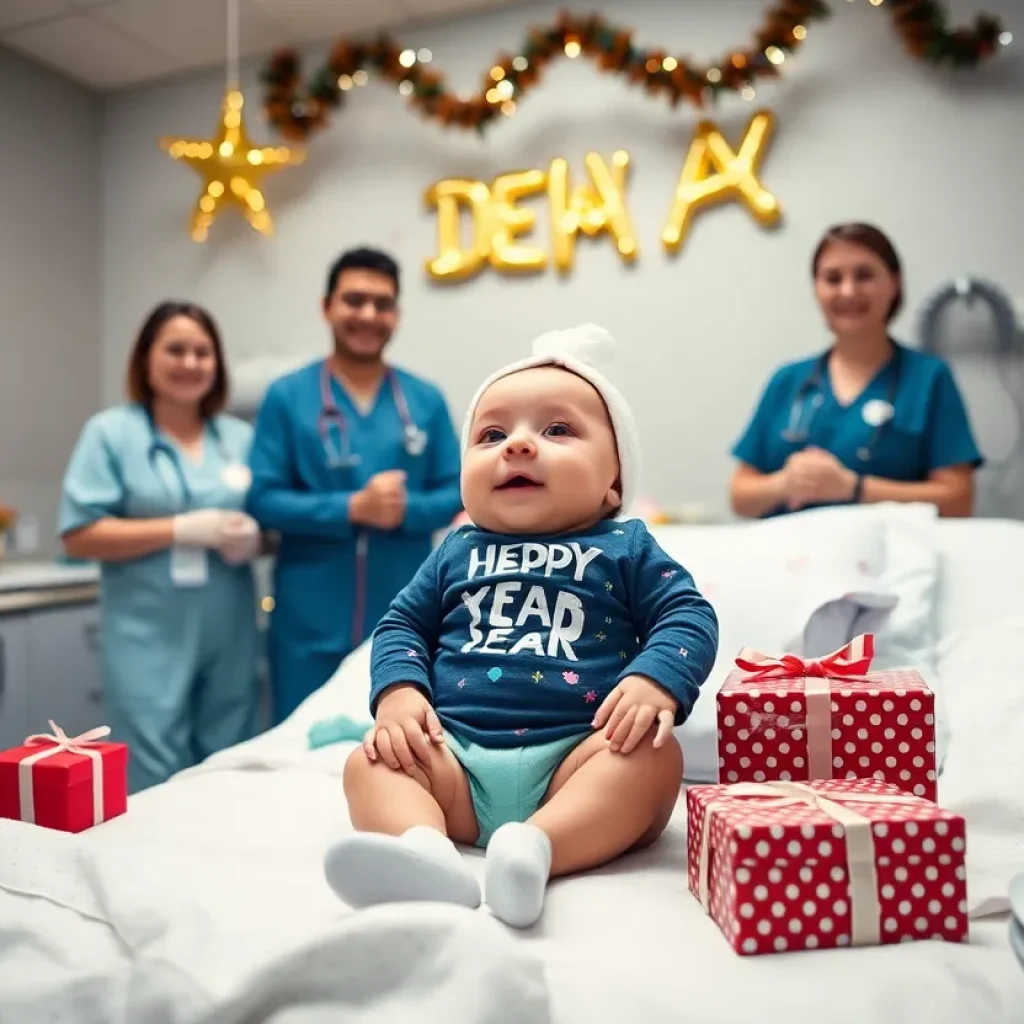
(516, 873)
(366, 868)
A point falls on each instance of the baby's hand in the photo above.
(404, 727)
(631, 709)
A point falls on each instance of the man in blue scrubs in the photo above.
(889, 444)
(356, 465)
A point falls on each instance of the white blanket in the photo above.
(981, 680)
(206, 903)
(171, 917)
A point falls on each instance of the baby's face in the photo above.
(541, 456)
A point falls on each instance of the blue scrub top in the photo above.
(929, 430)
(327, 598)
(115, 471)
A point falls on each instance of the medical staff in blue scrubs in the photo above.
(154, 492)
(869, 419)
(355, 464)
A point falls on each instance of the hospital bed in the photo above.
(206, 902)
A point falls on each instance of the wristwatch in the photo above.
(858, 490)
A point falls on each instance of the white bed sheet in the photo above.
(207, 903)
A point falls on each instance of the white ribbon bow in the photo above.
(61, 742)
(865, 910)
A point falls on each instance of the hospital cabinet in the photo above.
(49, 653)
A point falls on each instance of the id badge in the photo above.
(188, 567)
(236, 476)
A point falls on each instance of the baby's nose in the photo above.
(519, 446)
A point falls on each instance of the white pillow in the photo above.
(801, 584)
(911, 573)
(982, 566)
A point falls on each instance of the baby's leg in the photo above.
(403, 849)
(602, 803)
(599, 804)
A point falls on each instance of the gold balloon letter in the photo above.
(734, 177)
(599, 206)
(452, 261)
(510, 221)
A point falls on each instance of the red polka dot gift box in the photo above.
(786, 866)
(796, 719)
(69, 783)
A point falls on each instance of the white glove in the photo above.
(241, 539)
(203, 528)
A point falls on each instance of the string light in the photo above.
(298, 108)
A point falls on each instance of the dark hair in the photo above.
(139, 388)
(362, 259)
(867, 236)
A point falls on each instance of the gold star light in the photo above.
(232, 169)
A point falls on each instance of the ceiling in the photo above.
(114, 44)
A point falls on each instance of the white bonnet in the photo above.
(587, 351)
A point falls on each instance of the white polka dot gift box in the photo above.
(791, 866)
(797, 719)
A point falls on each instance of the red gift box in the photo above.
(64, 783)
(791, 866)
(796, 719)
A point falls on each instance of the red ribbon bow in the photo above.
(849, 662)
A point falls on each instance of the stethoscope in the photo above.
(877, 412)
(234, 474)
(414, 440)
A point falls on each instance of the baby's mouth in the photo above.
(519, 482)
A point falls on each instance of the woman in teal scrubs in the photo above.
(867, 420)
(154, 492)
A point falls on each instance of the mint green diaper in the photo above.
(508, 784)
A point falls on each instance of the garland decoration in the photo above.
(922, 26)
(297, 108)
(297, 111)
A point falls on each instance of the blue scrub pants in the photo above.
(180, 676)
(297, 672)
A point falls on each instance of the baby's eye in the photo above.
(559, 430)
(491, 435)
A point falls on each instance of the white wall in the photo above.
(864, 132)
(49, 282)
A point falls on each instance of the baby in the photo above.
(525, 684)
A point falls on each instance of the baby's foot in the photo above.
(516, 873)
(422, 864)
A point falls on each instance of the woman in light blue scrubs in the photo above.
(154, 492)
(867, 420)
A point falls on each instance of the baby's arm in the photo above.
(401, 691)
(406, 638)
(677, 627)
